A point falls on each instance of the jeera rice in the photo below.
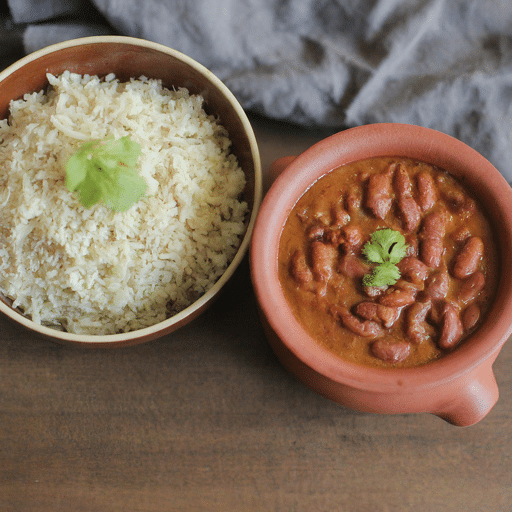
(95, 271)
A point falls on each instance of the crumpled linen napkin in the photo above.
(444, 64)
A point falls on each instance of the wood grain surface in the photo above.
(206, 419)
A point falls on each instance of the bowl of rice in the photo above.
(95, 275)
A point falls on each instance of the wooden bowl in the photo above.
(131, 58)
(460, 387)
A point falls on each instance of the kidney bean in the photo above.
(322, 260)
(418, 330)
(340, 217)
(379, 193)
(427, 192)
(300, 270)
(453, 197)
(451, 328)
(354, 199)
(365, 328)
(468, 258)
(397, 297)
(471, 287)
(390, 352)
(402, 182)
(435, 224)
(316, 231)
(459, 202)
(353, 237)
(374, 291)
(413, 269)
(432, 233)
(409, 212)
(438, 284)
(352, 266)
(378, 313)
(431, 251)
(470, 316)
(408, 209)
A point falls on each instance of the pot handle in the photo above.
(473, 400)
(278, 166)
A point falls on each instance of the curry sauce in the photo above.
(447, 277)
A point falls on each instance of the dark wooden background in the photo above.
(206, 419)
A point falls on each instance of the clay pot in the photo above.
(131, 58)
(460, 387)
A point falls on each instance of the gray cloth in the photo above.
(444, 64)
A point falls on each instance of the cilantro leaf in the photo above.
(386, 247)
(385, 274)
(106, 170)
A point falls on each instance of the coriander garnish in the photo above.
(106, 170)
(386, 247)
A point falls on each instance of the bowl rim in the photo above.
(168, 325)
(381, 139)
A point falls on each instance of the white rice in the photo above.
(94, 271)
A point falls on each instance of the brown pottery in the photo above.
(460, 387)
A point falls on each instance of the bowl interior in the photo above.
(476, 173)
(132, 58)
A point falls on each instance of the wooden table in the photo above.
(206, 419)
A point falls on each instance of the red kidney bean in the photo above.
(366, 328)
(408, 209)
(435, 224)
(352, 266)
(316, 231)
(413, 269)
(410, 213)
(300, 270)
(389, 351)
(354, 199)
(454, 197)
(438, 284)
(432, 233)
(459, 202)
(374, 291)
(379, 193)
(397, 297)
(471, 287)
(418, 330)
(322, 259)
(470, 316)
(432, 250)
(378, 313)
(353, 237)
(427, 192)
(340, 217)
(468, 258)
(451, 328)
(402, 182)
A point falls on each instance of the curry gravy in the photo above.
(448, 277)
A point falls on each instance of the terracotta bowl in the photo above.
(127, 58)
(460, 387)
